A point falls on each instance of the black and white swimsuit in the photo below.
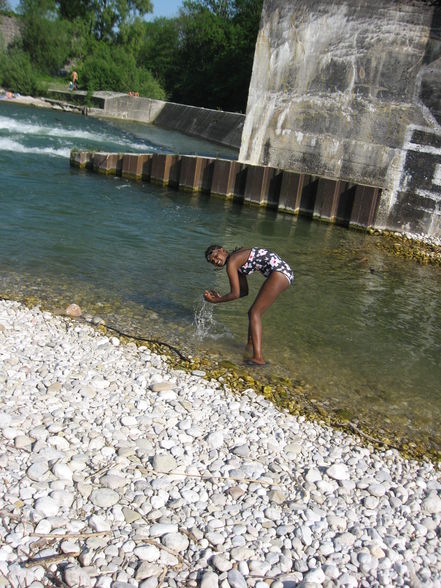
(266, 262)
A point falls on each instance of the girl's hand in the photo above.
(211, 295)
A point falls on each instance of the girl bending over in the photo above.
(239, 264)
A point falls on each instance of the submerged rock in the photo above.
(73, 310)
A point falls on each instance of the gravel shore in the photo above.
(117, 470)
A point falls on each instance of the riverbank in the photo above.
(40, 102)
(152, 474)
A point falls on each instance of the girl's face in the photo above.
(218, 257)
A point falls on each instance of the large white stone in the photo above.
(46, 506)
(209, 580)
(76, 577)
(338, 471)
(432, 504)
(104, 497)
(62, 471)
(236, 579)
(147, 570)
(164, 463)
(99, 523)
(148, 553)
(215, 440)
(175, 541)
(160, 529)
(38, 471)
(113, 481)
(315, 576)
(221, 563)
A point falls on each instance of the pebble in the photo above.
(46, 506)
(147, 570)
(209, 580)
(175, 541)
(113, 482)
(38, 471)
(160, 529)
(104, 497)
(236, 579)
(162, 387)
(215, 440)
(163, 464)
(221, 563)
(73, 310)
(148, 553)
(62, 471)
(432, 504)
(76, 577)
(338, 471)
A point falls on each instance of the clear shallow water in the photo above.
(360, 327)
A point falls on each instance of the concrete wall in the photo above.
(350, 90)
(220, 127)
(9, 30)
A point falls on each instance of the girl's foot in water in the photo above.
(256, 363)
(248, 351)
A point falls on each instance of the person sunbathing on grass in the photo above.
(239, 263)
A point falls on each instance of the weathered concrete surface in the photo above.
(9, 30)
(350, 90)
(123, 106)
(217, 126)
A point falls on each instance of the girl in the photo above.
(239, 264)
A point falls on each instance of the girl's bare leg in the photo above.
(249, 346)
(274, 285)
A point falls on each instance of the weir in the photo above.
(344, 203)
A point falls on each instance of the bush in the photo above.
(113, 68)
(48, 41)
(17, 73)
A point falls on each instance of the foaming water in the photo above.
(359, 326)
(17, 147)
(25, 135)
(30, 128)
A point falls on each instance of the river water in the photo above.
(360, 327)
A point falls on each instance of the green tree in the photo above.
(159, 51)
(216, 49)
(111, 67)
(45, 37)
(17, 73)
(106, 17)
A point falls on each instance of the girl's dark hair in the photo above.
(210, 250)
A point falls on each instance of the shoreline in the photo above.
(286, 393)
(153, 473)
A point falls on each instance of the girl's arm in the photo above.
(238, 282)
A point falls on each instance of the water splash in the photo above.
(203, 319)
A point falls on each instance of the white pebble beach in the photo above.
(119, 471)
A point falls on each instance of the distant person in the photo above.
(74, 80)
(239, 263)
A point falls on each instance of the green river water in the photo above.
(360, 327)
